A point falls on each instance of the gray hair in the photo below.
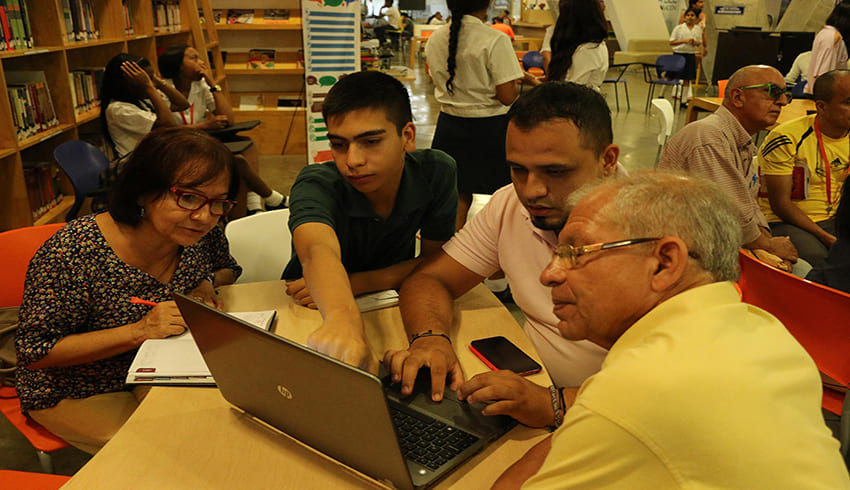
(657, 204)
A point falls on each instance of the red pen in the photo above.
(140, 301)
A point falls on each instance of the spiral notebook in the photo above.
(177, 360)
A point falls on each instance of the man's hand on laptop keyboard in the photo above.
(434, 352)
(511, 395)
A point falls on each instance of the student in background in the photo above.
(574, 49)
(210, 109)
(78, 330)
(474, 69)
(506, 18)
(354, 220)
(500, 26)
(829, 49)
(436, 19)
(698, 6)
(133, 100)
(687, 41)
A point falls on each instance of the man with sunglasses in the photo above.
(720, 148)
(559, 138)
(698, 390)
(802, 188)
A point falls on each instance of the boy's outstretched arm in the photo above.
(341, 335)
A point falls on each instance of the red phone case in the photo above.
(494, 368)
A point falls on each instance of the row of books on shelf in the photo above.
(78, 16)
(32, 106)
(166, 16)
(244, 16)
(84, 84)
(43, 187)
(15, 29)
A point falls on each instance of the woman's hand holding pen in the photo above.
(164, 320)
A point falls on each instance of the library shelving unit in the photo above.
(274, 96)
(56, 56)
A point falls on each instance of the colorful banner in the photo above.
(331, 35)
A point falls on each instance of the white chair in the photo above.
(261, 244)
(478, 202)
(663, 109)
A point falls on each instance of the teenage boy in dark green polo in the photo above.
(354, 220)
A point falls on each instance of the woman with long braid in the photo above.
(474, 69)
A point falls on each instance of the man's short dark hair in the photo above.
(824, 88)
(369, 90)
(162, 157)
(581, 105)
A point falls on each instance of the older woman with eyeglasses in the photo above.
(79, 330)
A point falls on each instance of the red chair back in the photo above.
(817, 316)
(31, 481)
(40, 438)
(16, 249)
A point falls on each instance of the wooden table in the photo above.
(524, 43)
(795, 109)
(190, 437)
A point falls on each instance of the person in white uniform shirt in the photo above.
(209, 108)
(389, 19)
(687, 41)
(574, 48)
(133, 101)
(474, 69)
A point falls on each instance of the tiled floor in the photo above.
(634, 131)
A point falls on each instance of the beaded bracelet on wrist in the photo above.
(428, 333)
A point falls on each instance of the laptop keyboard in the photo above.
(428, 441)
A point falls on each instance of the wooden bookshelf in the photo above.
(254, 93)
(56, 55)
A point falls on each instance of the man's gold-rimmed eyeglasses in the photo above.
(567, 255)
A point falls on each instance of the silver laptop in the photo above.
(347, 414)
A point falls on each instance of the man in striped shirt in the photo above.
(720, 148)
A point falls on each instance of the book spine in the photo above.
(52, 119)
(2, 33)
(35, 95)
(66, 16)
(25, 16)
(71, 77)
(16, 118)
(13, 14)
(7, 31)
(31, 181)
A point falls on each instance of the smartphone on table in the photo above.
(501, 353)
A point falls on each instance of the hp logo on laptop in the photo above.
(284, 392)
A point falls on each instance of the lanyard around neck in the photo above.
(191, 115)
(826, 164)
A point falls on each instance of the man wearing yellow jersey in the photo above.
(819, 144)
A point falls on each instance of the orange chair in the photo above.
(16, 249)
(721, 88)
(22, 480)
(817, 316)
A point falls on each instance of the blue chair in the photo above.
(797, 89)
(83, 163)
(618, 80)
(532, 59)
(671, 65)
